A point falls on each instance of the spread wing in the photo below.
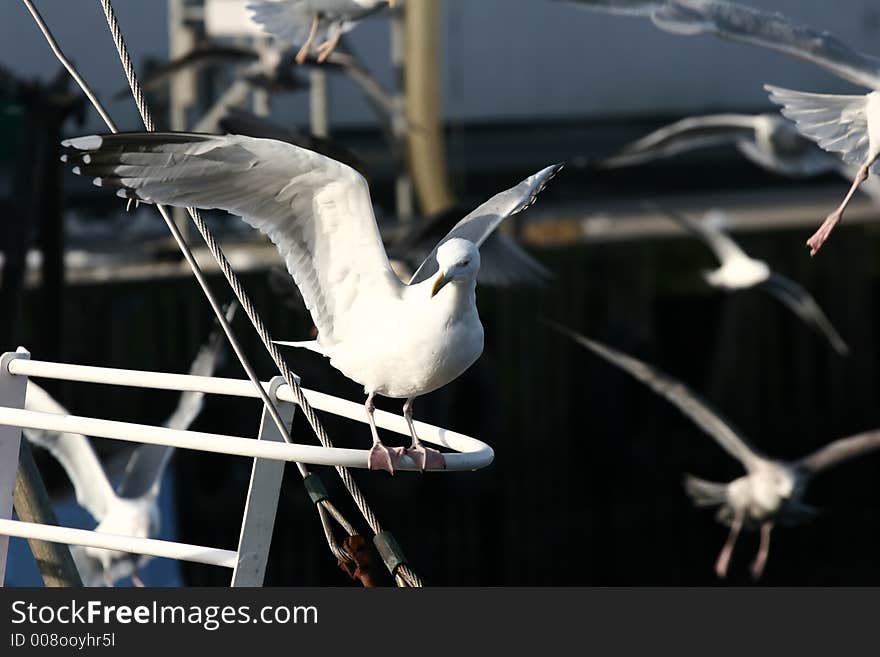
(802, 304)
(841, 450)
(688, 402)
(481, 223)
(205, 54)
(143, 472)
(315, 210)
(685, 135)
(836, 122)
(74, 452)
(291, 20)
(722, 245)
(737, 22)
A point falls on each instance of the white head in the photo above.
(458, 261)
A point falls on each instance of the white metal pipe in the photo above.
(481, 454)
(218, 443)
(149, 546)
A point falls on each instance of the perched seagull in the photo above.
(767, 140)
(503, 262)
(849, 125)
(132, 509)
(307, 22)
(740, 272)
(771, 492)
(397, 340)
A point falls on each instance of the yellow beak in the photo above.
(439, 282)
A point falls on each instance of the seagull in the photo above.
(267, 68)
(740, 272)
(767, 140)
(132, 509)
(396, 340)
(771, 491)
(845, 124)
(308, 22)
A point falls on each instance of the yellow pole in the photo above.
(426, 149)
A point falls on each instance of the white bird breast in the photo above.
(413, 345)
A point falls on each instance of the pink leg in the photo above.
(723, 561)
(327, 48)
(303, 53)
(137, 581)
(425, 457)
(381, 458)
(820, 236)
(760, 561)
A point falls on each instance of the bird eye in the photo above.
(465, 263)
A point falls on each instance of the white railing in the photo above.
(268, 451)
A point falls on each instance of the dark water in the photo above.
(586, 487)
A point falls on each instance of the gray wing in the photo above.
(504, 263)
(688, 402)
(143, 472)
(804, 306)
(737, 22)
(74, 452)
(315, 210)
(722, 245)
(841, 450)
(482, 222)
(686, 135)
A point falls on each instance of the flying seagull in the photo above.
(771, 491)
(132, 509)
(269, 69)
(740, 272)
(845, 124)
(767, 140)
(397, 340)
(305, 23)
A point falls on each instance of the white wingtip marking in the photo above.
(97, 182)
(77, 171)
(87, 143)
(64, 158)
(121, 193)
(87, 159)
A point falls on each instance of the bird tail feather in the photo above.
(705, 493)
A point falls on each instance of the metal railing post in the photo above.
(262, 500)
(12, 393)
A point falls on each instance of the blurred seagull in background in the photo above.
(771, 492)
(845, 124)
(740, 272)
(767, 140)
(269, 69)
(312, 23)
(397, 340)
(132, 509)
